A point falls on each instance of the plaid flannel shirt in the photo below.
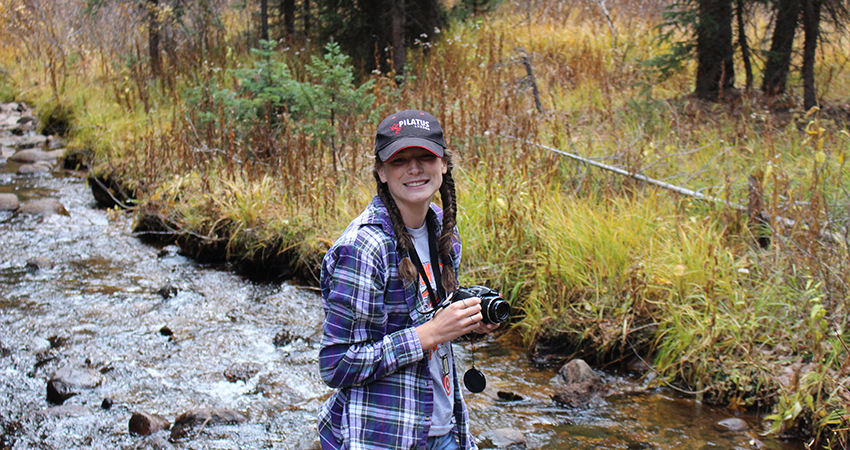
(370, 351)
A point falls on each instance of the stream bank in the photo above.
(145, 329)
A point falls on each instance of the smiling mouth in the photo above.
(416, 183)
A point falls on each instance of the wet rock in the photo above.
(38, 345)
(109, 193)
(38, 263)
(69, 381)
(155, 442)
(45, 207)
(638, 366)
(33, 169)
(756, 444)
(242, 372)
(4, 351)
(25, 124)
(43, 358)
(273, 386)
(6, 152)
(193, 422)
(731, 425)
(61, 411)
(144, 424)
(283, 339)
(35, 155)
(106, 403)
(577, 371)
(55, 143)
(9, 202)
(167, 291)
(165, 331)
(580, 384)
(24, 142)
(506, 396)
(506, 438)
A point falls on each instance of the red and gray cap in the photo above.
(409, 128)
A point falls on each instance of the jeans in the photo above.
(444, 442)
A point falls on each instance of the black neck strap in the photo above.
(435, 264)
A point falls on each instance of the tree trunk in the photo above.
(287, 10)
(811, 27)
(715, 69)
(745, 47)
(781, 46)
(397, 24)
(264, 20)
(307, 19)
(154, 38)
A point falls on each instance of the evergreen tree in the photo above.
(376, 33)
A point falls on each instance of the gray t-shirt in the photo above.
(440, 358)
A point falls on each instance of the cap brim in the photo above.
(396, 146)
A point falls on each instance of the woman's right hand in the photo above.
(451, 322)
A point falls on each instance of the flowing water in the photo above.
(167, 335)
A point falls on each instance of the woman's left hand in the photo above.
(484, 328)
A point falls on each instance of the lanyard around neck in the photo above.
(435, 265)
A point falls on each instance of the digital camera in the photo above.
(494, 308)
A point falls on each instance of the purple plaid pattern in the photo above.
(370, 350)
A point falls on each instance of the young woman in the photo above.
(386, 348)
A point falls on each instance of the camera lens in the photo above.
(497, 310)
(494, 308)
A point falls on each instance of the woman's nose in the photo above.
(414, 166)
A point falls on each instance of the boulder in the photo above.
(580, 384)
(70, 381)
(508, 396)
(577, 371)
(9, 202)
(732, 424)
(38, 263)
(509, 438)
(23, 142)
(504, 438)
(9, 107)
(44, 208)
(186, 423)
(144, 424)
(34, 155)
(33, 169)
(242, 371)
(167, 291)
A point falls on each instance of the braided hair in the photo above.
(404, 241)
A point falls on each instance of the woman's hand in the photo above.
(484, 328)
(453, 321)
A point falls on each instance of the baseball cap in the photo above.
(409, 128)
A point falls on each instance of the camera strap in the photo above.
(435, 265)
(473, 379)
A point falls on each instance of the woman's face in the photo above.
(413, 176)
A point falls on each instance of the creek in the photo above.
(168, 335)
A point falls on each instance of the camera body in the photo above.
(494, 308)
